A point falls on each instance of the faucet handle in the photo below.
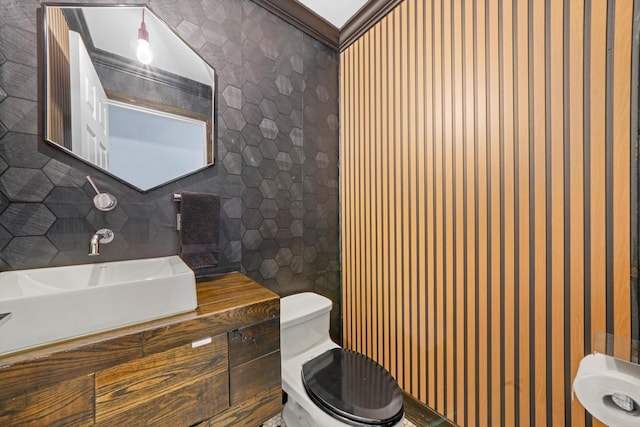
(106, 235)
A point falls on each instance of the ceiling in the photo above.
(336, 12)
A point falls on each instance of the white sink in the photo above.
(51, 304)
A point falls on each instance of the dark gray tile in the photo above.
(252, 219)
(5, 237)
(251, 177)
(268, 229)
(268, 208)
(284, 218)
(25, 185)
(284, 276)
(284, 85)
(21, 150)
(71, 234)
(269, 149)
(297, 264)
(297, 155)
(269, 128)
(252, 198)
(297, 63)
(252, 113)
(333, 122)
(269, 248)
(19, 115)
(252, 156)
(322, 160)
(233, 163)
(232, 186)
(297, 209)
(233, 119)
(27, 219)
(296, 228)
(63, 175)
(285, 104)
(19, 80)
(252, 93)
(252, 260)
(297, 137)
(233, 97)
(138, 230)
(233, 53)
(233, 252)
(18, 45)
(3, 128)
(28, 252)
(269, 109)
(252, 239)
(233, 207)
(114, 219)
(284, 181)
(268, 188)
(283, 257)
(269, 169)
(68, 202)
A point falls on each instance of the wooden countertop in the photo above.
(225, 303)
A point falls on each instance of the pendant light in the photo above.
(144, 49)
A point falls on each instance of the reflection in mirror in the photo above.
(126, 94)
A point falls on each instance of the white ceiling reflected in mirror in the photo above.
(126, 94)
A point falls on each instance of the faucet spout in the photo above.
(104, 235)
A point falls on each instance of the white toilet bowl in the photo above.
(304, 324)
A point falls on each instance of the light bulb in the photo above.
(144, 52)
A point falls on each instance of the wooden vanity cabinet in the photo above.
(217, 366)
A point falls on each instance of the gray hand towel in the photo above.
(199, 230)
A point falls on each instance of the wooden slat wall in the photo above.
(59, 85)
(486, 200)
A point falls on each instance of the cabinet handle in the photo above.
(200, 343)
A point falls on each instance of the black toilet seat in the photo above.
(353, 388)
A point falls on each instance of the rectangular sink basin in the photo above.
(56, 303)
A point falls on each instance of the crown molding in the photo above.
(304, 19)
(309, 22)
(372, 12)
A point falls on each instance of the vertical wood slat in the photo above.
(470, 279)
(429, 231)
(523, 188)
(576, 176)
(474, 175)
(555, 226)
(420, 346)
(483, 392)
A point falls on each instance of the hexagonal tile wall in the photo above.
(277, 121)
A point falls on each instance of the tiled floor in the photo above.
(278, 422)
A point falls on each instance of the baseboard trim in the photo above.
(421, 415)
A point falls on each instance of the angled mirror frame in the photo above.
(94, 78)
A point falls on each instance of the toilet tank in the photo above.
(304, 322)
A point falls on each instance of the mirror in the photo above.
(124, 93)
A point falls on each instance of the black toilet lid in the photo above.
(353, 388)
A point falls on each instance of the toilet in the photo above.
(326, 385)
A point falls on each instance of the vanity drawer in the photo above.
(66, 403)
(252, 342)
(253, 378)
(166, 386)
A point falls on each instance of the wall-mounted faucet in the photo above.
(104, 235)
